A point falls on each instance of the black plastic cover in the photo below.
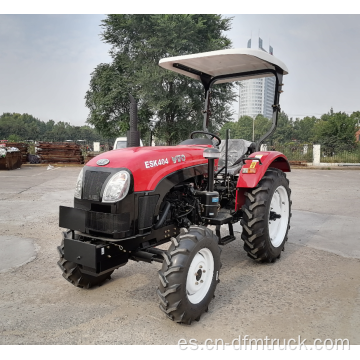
(147, 206)
(82, 220)
(210, 203)
(70, 218)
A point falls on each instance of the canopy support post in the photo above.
(276, 110)
(206, 81)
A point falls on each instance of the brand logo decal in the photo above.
(103, 162)
(153, 163)
(178, 158)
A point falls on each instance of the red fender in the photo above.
(150, 164)
(268, 159)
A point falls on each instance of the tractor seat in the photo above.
(198, 141)
(238, 149)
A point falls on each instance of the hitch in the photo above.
(150, 255)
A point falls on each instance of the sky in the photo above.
(46, 61)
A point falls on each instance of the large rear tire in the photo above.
(266, 217)
(73, 274)
(189, 275)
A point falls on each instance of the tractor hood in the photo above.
(150, 164)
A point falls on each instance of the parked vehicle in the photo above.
(121, 143)
(129, 201)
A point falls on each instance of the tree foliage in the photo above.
(284, 130)
(175, 101)
(333, 130)
(20, 127)
(108, 100)
(243, 128)
(336, 130)
(303, 129)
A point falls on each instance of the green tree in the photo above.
(304, 129)
(261, 126)
(14, 138)
(108, 99)
(336, 130)
(284, 131)
(27, 127)
(228, 125)
(138, 43)
(243, 128)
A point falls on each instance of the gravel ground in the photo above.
(309, 292)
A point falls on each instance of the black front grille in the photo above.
(93, 183)
(147, 206)
(108, 223)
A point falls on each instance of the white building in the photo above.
(257, 95)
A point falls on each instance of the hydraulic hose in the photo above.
(163, 216)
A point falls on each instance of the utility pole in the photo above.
(253, 129)
(152, 127)
(239, 103)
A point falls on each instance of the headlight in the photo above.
(78, 187)
(117, 187)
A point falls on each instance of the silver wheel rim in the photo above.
(280, 206)
(200, 276)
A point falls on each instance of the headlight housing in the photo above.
(117, 187)
(78, 186)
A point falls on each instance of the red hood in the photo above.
(150, 164)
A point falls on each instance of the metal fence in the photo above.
(333, 155)
(298, 152)
(304, 153)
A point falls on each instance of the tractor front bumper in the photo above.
(95, 223)
(95, 259)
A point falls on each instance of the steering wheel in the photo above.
(207, 133)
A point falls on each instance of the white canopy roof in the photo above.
(224, 62)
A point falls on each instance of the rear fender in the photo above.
(269, 159)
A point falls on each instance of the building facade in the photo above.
(256, 96)
(357, 135)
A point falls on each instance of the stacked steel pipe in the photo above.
(67, 152)
(90, 155)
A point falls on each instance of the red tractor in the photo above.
(129, 201)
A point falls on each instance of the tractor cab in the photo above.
(222, 66)
(229, 65)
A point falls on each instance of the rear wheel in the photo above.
(266, 217)
(189, 275)
(73, 272)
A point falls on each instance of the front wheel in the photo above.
(266, 217)
(189, 276)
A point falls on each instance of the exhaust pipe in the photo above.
(133, 135)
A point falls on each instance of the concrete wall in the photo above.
(316, 159)
(316, 155)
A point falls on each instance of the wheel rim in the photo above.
(279, 206)
(200, 276)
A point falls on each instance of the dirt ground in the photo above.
(312, 291)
